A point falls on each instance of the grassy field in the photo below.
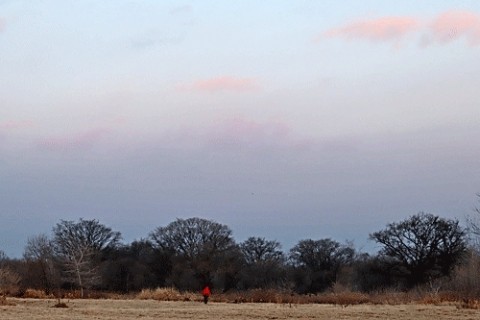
(150, 309)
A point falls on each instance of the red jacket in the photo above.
(206, 291)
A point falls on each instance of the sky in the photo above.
(282, 119)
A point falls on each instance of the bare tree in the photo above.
(256, 250)
(264, 264)
(317, 263)
(201, 249)
(193, 236)
(423, 247)
(473, 228)
(9, 279)
(79, 245)
(3, 259)
(39, 255)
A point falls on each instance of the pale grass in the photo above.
(36, 294)
(167, 294)
(152, 309)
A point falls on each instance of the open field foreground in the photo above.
(150, 309)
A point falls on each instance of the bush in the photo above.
(465, 281)
(167, 294)
(5, 302)
(468, 304)
(256, 295)
(35, 294)
(9, 282)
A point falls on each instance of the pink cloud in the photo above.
(8, 127)
(224, 83)
(14, 125)
(237, 133)
(452, 25)
(246, 132)
(80, 141)
(378, 30)
(445, 28)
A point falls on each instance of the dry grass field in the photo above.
(43, 309)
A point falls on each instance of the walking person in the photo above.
(206, 294)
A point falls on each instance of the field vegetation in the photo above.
(104, 309)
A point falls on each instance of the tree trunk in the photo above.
(80, 284)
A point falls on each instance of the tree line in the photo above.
(190, 253)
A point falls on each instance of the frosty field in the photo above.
(150, 309)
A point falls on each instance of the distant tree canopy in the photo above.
(193, 237)
(423, 247)
(473, 225)
(203, 251)
(257, 250)
(135, 267)
(264, 264)
(9, 278)
(189, 253)
(317, 263)
(79, 245)
(40, 259)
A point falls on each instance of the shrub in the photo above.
(465, 281)
(167, 294)
(35, 294)
(5, 302)
(60, 304)
(9, 282)
(468, 304)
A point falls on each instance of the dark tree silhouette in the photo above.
(9, 277)
(79, 245)
(264, 264)
(202, 249)
(257, 250)
(473, 224)
(423, 247)
(41, 263)
(136, 266)
(317, 263)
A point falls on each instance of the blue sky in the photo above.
(282, 119)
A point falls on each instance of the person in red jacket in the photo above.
(206, 294)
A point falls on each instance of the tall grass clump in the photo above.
(167, 294)
(35, 294)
